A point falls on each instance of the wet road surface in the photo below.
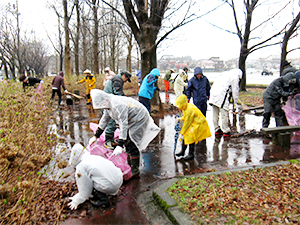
(158, 162)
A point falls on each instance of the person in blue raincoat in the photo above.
(199, 88)
(147, 88)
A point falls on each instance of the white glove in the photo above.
(118, 150)
(66, 91)
(180, 138)
(41, 82)
(92, 140)
(72, 204)
(76, 82)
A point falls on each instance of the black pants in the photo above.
(58, 93)
(131, 148)
(146, 102)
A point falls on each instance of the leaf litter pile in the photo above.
(269, 195)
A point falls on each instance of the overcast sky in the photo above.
(198, 39)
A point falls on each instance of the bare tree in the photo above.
(67, 17)
(77, 35)
(244, 32)
(288, 34)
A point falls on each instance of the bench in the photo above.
(281, 136)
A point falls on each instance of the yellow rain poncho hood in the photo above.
(195, 127)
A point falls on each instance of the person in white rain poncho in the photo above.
(96, 177)
(223, 88)
(137, 128)
(179, 83)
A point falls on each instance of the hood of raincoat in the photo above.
(155, 72)
(100, 99)
(181, 72)
(289, 78)
(77, 154)
(237, 72)
(197, 71)
(182, 102)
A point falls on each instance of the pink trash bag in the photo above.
(36, 99)
(292, 111)
(98, 148)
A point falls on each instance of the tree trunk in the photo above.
(84, 44)
(95, 42)
(242, 66)
(76, 44)
(67, 40)
(286, 38)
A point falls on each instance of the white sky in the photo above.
(198, 39)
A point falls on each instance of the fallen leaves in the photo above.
(265, 195)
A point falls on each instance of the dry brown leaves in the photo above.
(258, 196)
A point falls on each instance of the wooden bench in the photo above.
(281, 136)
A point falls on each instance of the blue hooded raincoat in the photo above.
(147, 87)
(199, 89)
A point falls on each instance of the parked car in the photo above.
(266, 72)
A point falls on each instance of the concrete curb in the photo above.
(174, 213)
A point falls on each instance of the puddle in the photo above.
(158, 162)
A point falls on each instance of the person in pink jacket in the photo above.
(108, 75)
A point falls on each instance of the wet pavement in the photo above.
(158, 162)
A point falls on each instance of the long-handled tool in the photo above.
(76, 96)
(244, 107)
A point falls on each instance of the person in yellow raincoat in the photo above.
(90, 81)
(195, 127)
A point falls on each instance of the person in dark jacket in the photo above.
(58, 82)
(29, 81)
(279, 88)
(287, 68)
(114, 86)
(199, 88)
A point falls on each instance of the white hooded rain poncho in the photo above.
(179, 83)
(219, 93)
(132, 117)
(93, 171)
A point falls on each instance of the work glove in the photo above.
(92, 140)
(118, 150)
(73, 205)
(66, 91)
(178, 119)
(180, 138)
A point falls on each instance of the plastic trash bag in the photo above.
(98, 148)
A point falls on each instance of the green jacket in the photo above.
(168, 75)
(115, 85)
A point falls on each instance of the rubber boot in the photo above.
(183, 148)
(109, 141)
(100, 199)
(191, 152)
(135, 164)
